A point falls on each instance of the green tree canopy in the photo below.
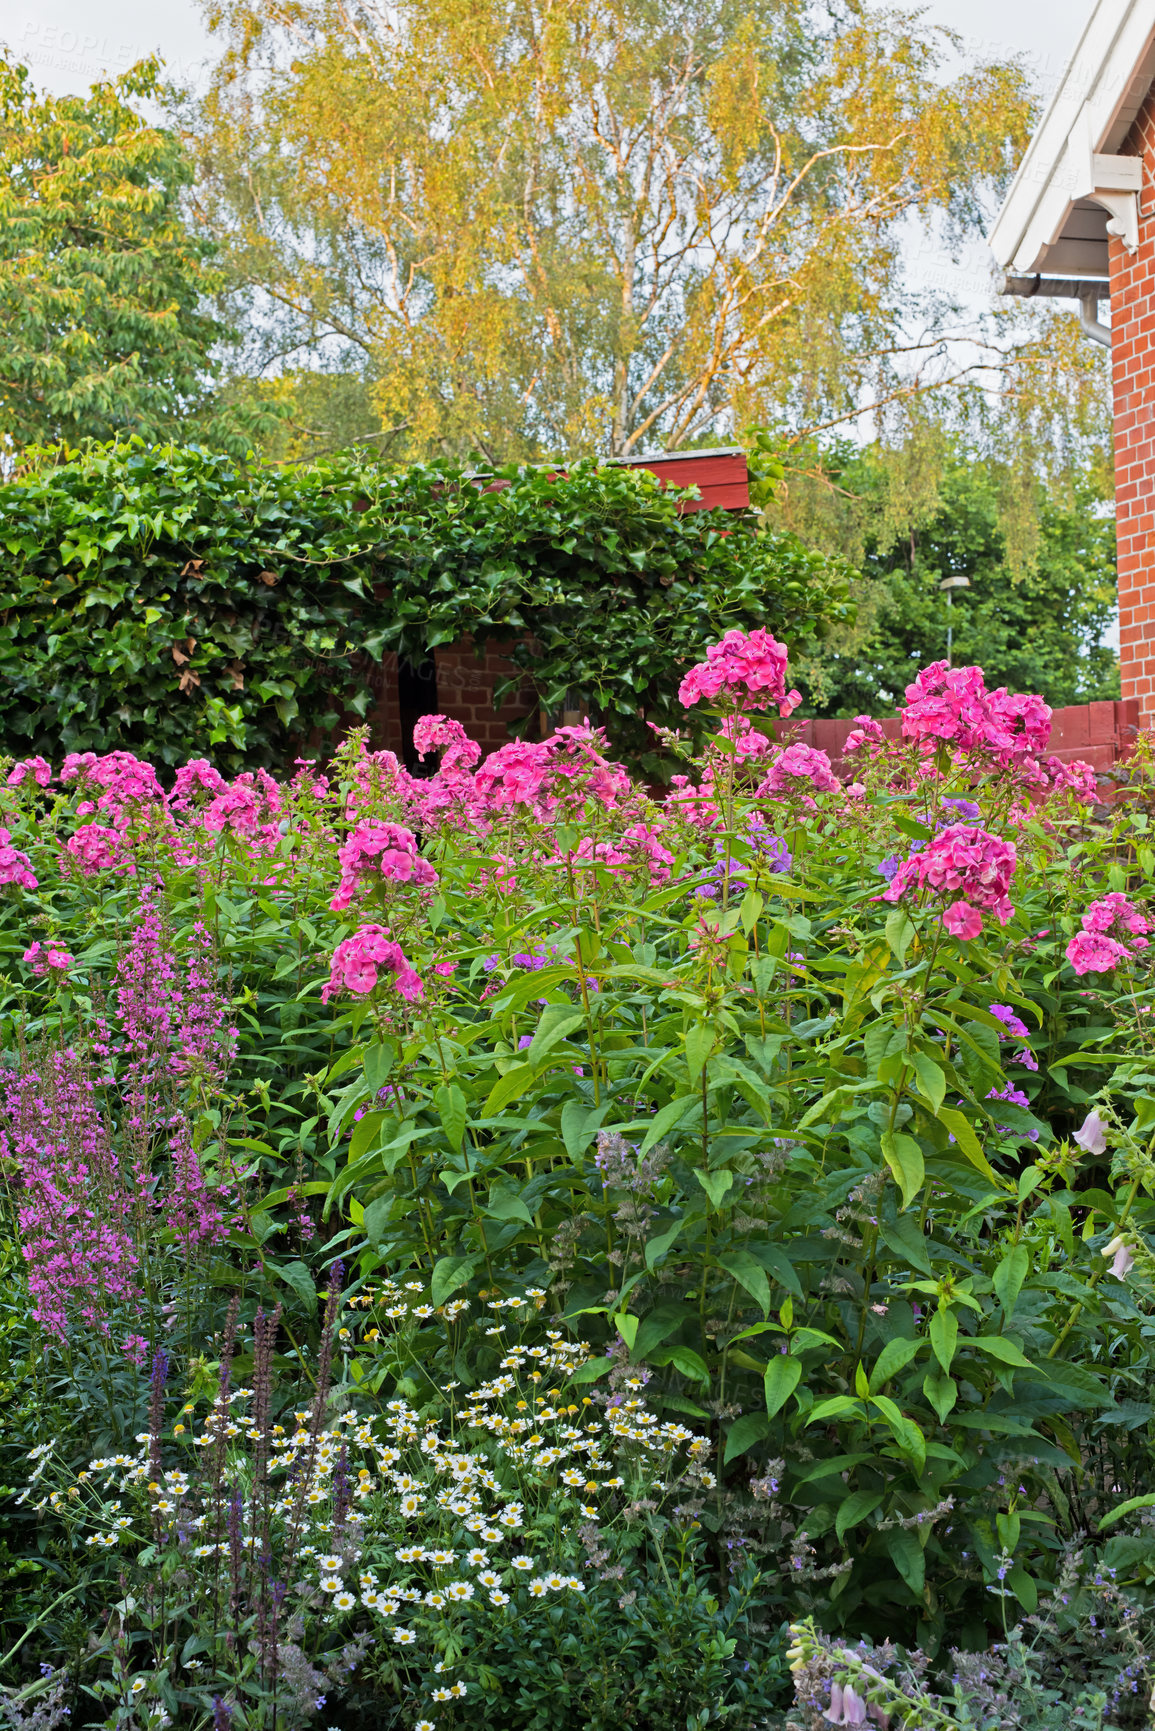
(530, 226)
(102, 324)
(1035, 628)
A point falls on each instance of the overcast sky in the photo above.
(68, 43)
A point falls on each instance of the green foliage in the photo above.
(177, 602)
(1033, 626)
(102, 325)
(765, 1149)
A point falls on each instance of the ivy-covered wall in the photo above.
(175, 601)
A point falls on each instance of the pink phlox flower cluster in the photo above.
(44, 959)
(37, 767)
(375, 852)
(15, 867)
(357, 960)
(1078, 778)
(865, 735)
(196, 777)
(96, 849)
(308, 779)
(501, 876)
(125, 783)
(746, 669)
(798, 770)
(749, 742)
(514, 774)
(249, 807)
(969, 865)
(697, 805)
(1113, 931)
(954, 705)
(439, 733)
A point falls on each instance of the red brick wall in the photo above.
(465, 687)
(1133, 367)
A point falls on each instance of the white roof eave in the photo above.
(1070, 156)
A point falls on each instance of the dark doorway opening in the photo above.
(416, 696)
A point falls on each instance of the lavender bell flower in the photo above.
(1123, 1255)
(846, 1706)
(1092, 1134)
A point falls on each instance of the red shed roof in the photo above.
(720, 475)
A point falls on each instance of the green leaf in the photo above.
(657, 1247)
(716, 1184)
(297, 1276)
(748, 1273)
(1122, 1510)
(944, 1336)
(744, 1433)
(895, 1356)
(449, 1273)
(670, 1114)
(904, 1157)
(451, 1109)
(509, 1087)
(590, 1371)
(941, 1391)
(967, 1142)
(900, 933)
(908, 1558)
(627, 1327)
(700, 1042)
(580, 1124)
(1008, 1277)
(777, 1263)
(931, 1079)
(854, 1509)
(998, 1346)
(783, 1375)
(558, 1022)
(657, 1325)
(503, 1204)
(684, 1358)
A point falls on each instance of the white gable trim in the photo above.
(1073, 188)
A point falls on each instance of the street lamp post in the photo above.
(949, 585)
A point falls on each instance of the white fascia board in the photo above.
(1070, 156)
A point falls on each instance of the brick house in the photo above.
(1079, 223)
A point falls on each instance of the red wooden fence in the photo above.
(1097, 733)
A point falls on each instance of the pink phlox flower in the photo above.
(698, 805)
(37, 767)
(1078, 778)
(965, 862)
(95, 849)
(249, 806)
(962, 921)
(866, 734)
(126, 782)
(953, 704)
(1011, 1022)
(43, 960)
(357, 960)
(15, 867)
(197, 776)
(1095, 949)
(795, 765)
(513, 775)
(749, 742)
(440, 733)
(1093, 953)
(502, 876)
(746, 669)
(375, 852)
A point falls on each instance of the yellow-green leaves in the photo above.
(908, 1168)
